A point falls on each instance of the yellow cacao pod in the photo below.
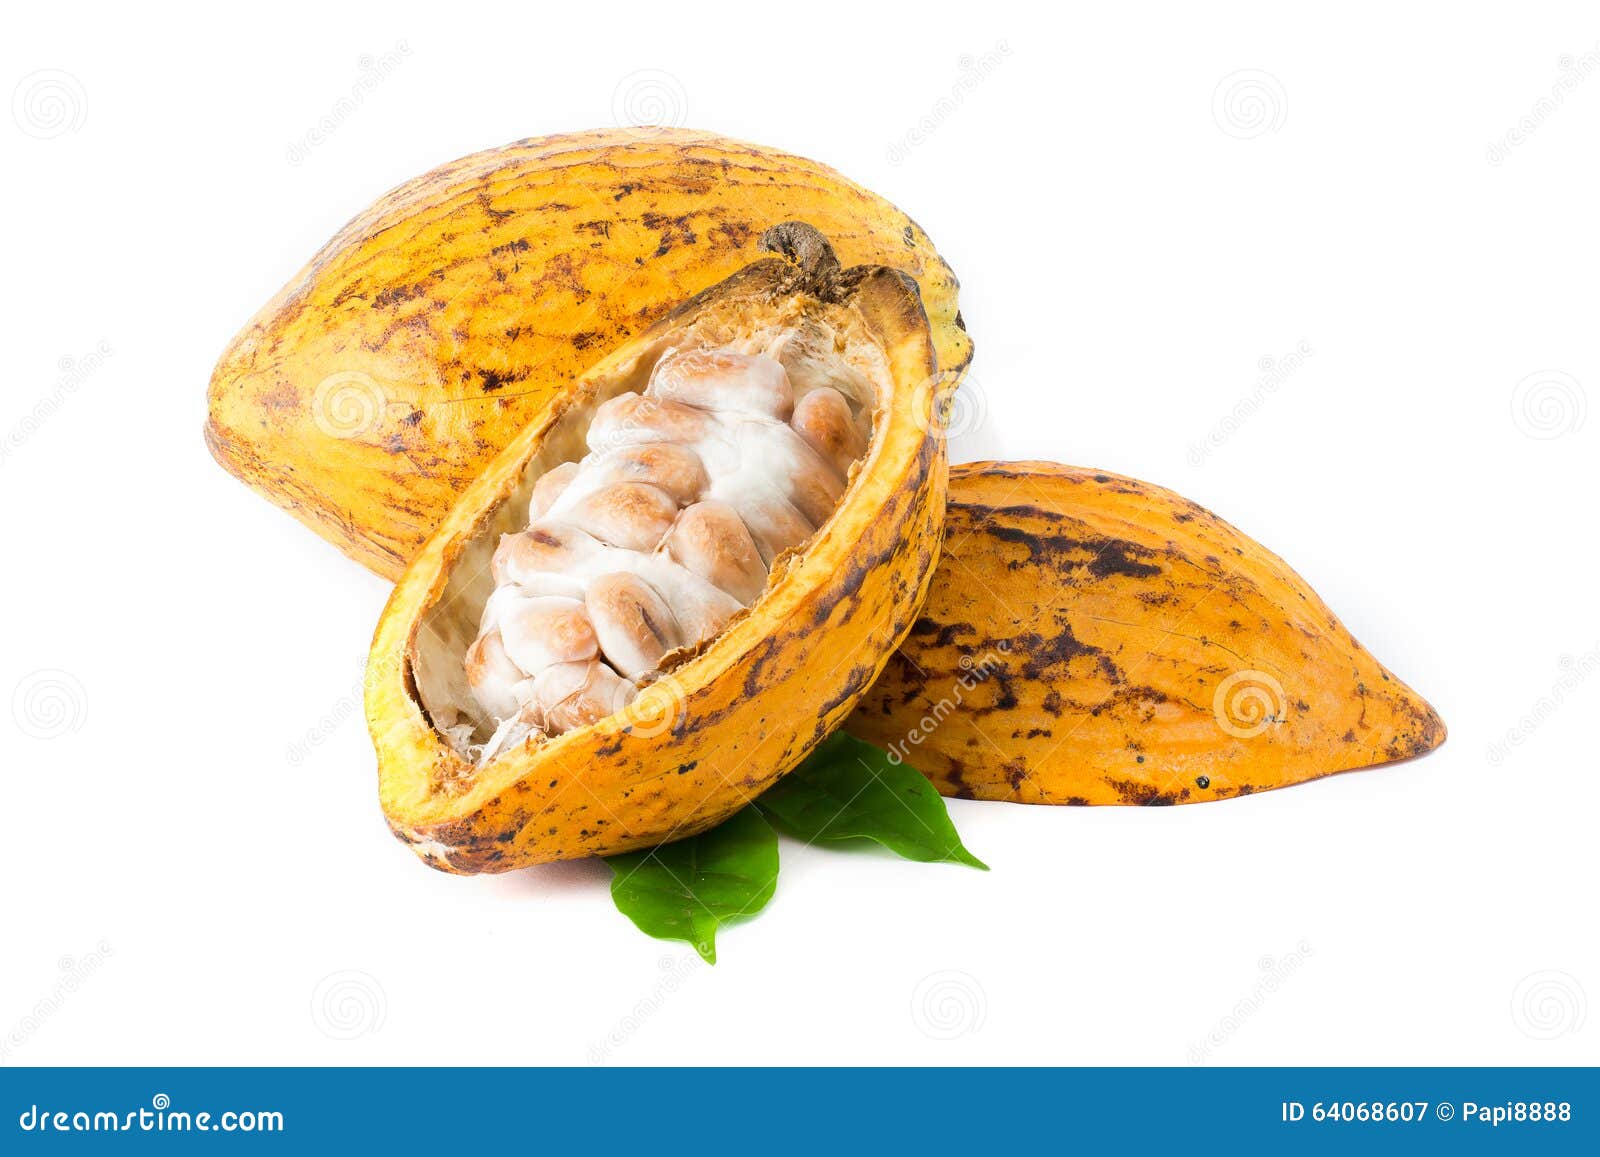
(730, 715)
(413, 347)
(1093, 639)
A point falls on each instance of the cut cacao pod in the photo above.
(1093, 639)
(665, 529)
(730, 708)
(420, 340)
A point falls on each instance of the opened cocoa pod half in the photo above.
(418, 342)
(677, 581)
(1093, 639)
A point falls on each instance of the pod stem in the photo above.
(810, 252)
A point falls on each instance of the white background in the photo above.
(1131, 246)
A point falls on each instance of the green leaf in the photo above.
(687, 890)
(847, 789)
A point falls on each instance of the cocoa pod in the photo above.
(1093, 639)
(445, 317)
(594, 764)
